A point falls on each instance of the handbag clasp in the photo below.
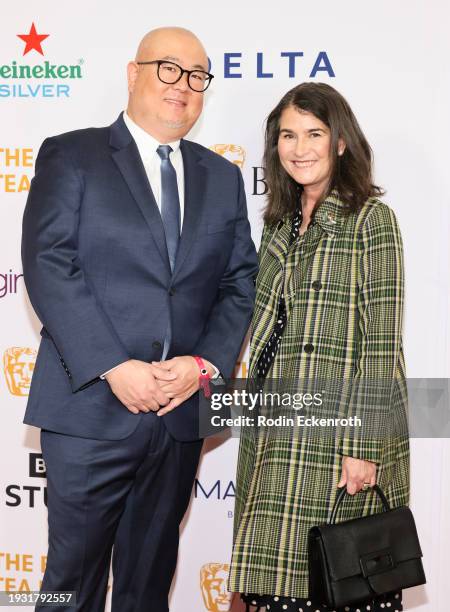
(376, 563)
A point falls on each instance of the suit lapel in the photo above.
(127, 158)
(194, 202)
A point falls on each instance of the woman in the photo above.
(328, 307)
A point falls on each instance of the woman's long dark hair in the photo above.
(351, 173)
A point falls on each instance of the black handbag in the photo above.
(363, 558)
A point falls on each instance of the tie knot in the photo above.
(164, 151)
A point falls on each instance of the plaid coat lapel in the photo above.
(278, 262)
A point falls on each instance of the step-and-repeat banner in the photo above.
(63, 67)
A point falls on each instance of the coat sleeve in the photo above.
(230, 316)
(58, 290)
(380, 310)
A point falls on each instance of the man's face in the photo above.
(167, 112)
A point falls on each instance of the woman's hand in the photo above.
(356, 473)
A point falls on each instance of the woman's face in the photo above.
(304, 148)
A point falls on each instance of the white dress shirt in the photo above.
(147, 146)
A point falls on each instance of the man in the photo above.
(118, 290)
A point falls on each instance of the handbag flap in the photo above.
(370, 545)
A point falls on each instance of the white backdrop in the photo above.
(388, 59)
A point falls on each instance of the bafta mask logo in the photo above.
(234, 153)
(213, 583)
(18, 364)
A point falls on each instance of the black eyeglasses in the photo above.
(170, 73)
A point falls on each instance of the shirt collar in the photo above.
(146, 143)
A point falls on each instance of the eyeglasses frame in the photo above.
(183, 71)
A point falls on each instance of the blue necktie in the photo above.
(170, 214)
(170, 203)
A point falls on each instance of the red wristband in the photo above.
(204, 377)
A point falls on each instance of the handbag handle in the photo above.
(341, 496)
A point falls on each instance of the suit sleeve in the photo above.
(231, 314)
(380, 310)
(58, 289)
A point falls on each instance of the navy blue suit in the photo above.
(97, 272)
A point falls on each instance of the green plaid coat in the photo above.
(343, 287)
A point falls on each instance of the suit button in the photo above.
(171, 291)
(316, 285)
(157, 345)
(308, 348)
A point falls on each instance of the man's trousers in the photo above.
(127, 496)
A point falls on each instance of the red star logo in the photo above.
(33, 40)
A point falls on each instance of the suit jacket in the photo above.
(97, 272)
